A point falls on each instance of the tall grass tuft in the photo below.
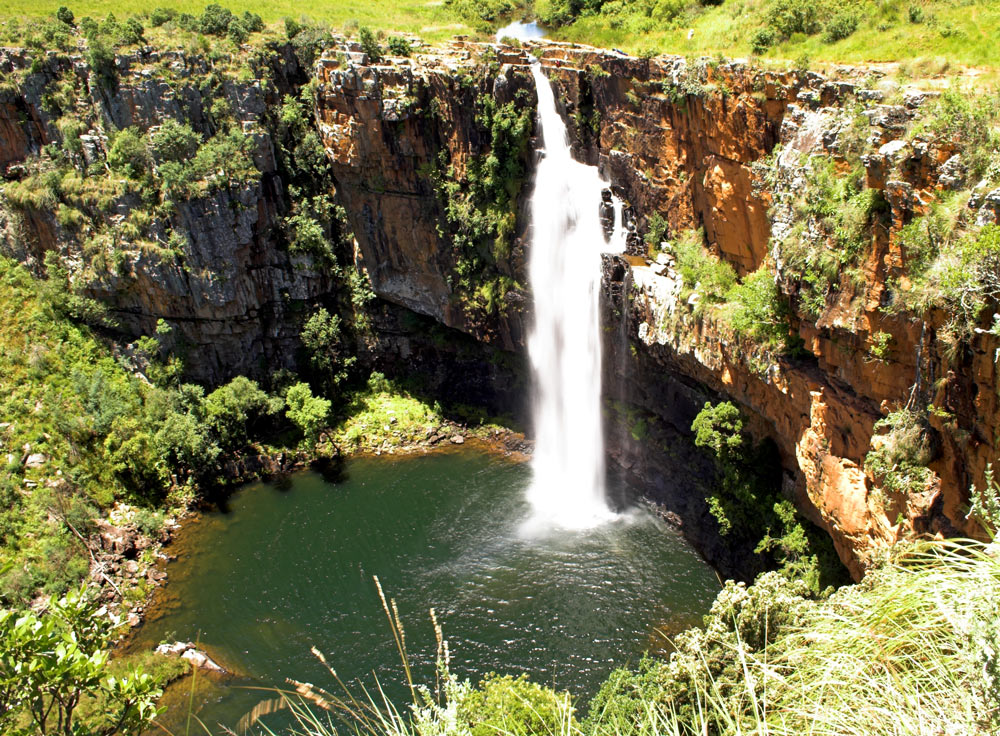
(914, 650)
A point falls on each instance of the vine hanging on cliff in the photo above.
(480, 208)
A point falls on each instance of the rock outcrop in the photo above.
(231, 291)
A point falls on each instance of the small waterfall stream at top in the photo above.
(564, 345)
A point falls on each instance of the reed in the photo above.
(914, 650)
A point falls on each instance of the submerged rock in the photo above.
(187, 650)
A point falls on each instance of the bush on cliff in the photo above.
(481, 209)
(748, 501)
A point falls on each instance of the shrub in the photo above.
(102, 63)
(985, 504)
(53, 661)
(174, 141)
(513, 706)
(369, 45)
(252, 22)
(65, 15)
(129, 153)
(237, 32)
(161, 15)
(399, 46)
(880, 347)
(321, 337)
(762, 39)
(657, 229)
(840, 26)
(787, 17)
(758, 309)
(702, 271)
(900, 451)
(130, 32)
(307, 412)
(233, 409)
(215, 20)
(292, 28)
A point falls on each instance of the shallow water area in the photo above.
(290, 565)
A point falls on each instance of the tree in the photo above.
(175, 141)
(305, 411)
(52, 662)
(65, 15)
(720, 428)
(216, 19)
(231, 409)
(369, 45)
(322, 338)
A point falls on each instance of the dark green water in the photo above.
(290, 566)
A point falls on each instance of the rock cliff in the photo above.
(695, 143)
(418, 150)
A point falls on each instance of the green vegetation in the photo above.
(307, 412)
(480, 205)
(836, 205)
(431, 21)
(753, 307)
(958, 31)
(860, 30)
(748, 501)
(76, 414)
(758, 310)
(386, 415)
(901, 449)
(702, 272)
(55, 677)
(985, 506)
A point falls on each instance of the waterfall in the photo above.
(567, 238)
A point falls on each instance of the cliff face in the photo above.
(413, 146)
(228, 291)
(692, 143)
(396, 132)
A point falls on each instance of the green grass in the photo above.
(430, 20)
(949, 31)
(963, 32)
(385, 416)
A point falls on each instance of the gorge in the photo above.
(742, 306)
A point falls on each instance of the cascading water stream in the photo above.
(567, 488)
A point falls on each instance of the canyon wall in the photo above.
(697, 144)
(410, 141)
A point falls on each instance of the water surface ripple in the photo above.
(289, 566)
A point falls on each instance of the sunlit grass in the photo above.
(911, 651)
(430, 19)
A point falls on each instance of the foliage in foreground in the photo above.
(54, 675)
(914, 649)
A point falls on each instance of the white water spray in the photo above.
(567, 489)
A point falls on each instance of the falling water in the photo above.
(567, 489)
